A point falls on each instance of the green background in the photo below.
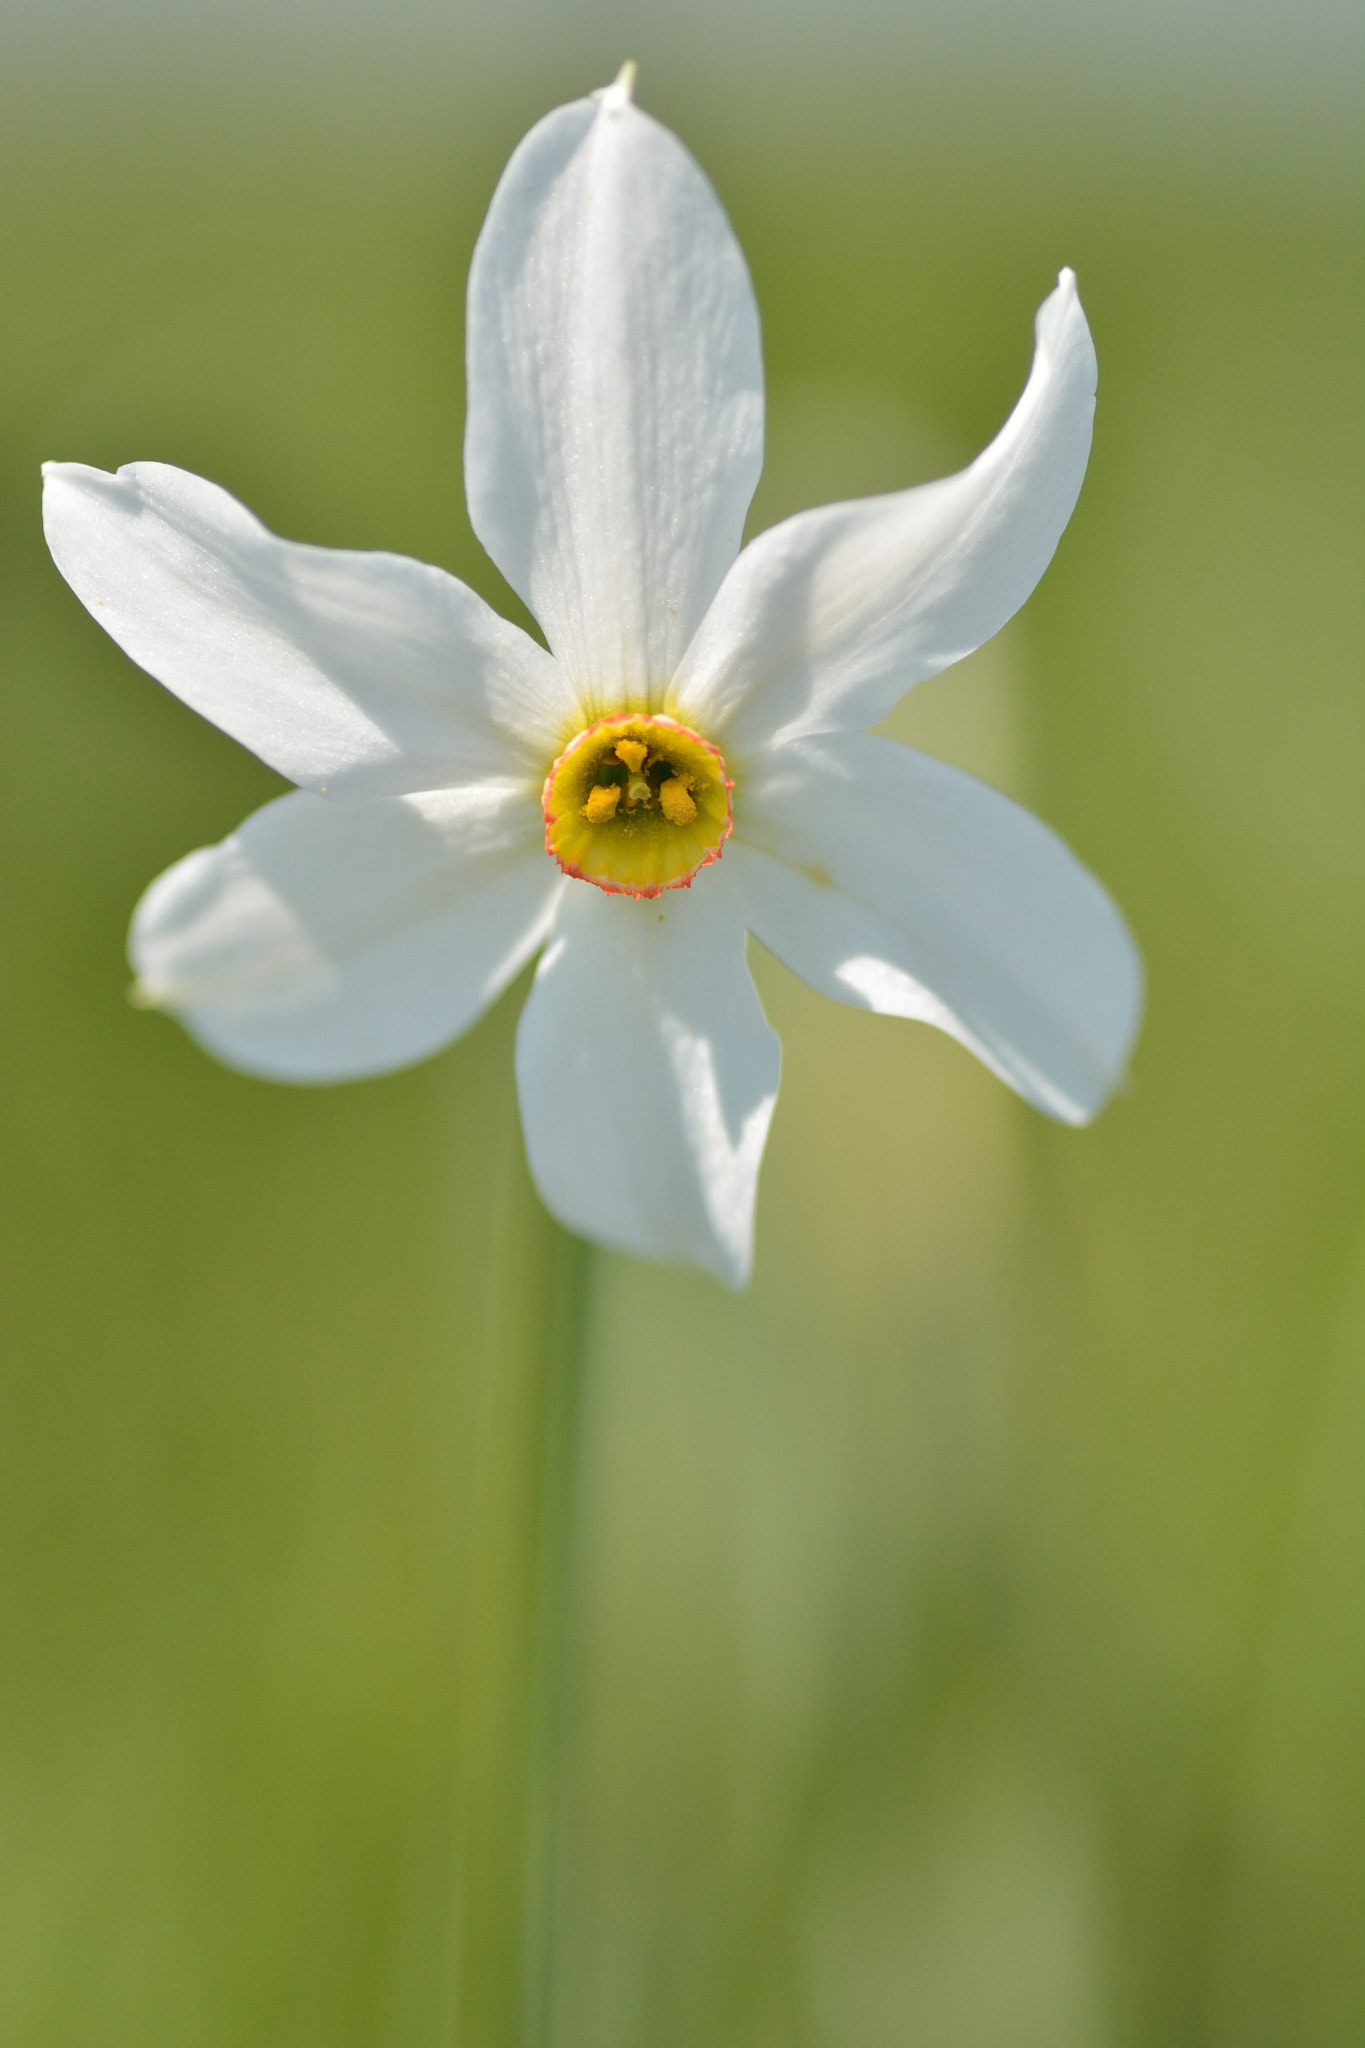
(964, 1641)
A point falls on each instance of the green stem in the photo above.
(552, 1675)
(515, 1639)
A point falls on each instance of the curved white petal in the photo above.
(326, 941)
(615, 430)
(896, 883)
(647, 1075)
(361, 674)
(826, 620)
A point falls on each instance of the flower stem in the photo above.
(516, 1635)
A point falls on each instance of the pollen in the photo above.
(601, 804)
(675, 803)
(637, 804)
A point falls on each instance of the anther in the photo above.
(633, 753)
(601, 804)
(675, 802)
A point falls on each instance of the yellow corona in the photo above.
(637, 804)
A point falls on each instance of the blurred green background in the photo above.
(964, 1641)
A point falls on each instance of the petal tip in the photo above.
(621, 91)
(64, 472)
(1063, 303)
(1062, 330)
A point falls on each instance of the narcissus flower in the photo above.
(688, 763)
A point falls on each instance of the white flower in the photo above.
(696, 734)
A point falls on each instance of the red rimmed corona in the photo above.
(637, 804)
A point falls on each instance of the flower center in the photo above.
(637, 804)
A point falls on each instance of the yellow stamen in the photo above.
(633, 753)
(676, 805)
(601, 804)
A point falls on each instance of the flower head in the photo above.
(687, 763)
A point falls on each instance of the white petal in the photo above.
(826, 620)
(647, 1075)
(364, 674)
(615, 429)
(894, 882)
(325, 941)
